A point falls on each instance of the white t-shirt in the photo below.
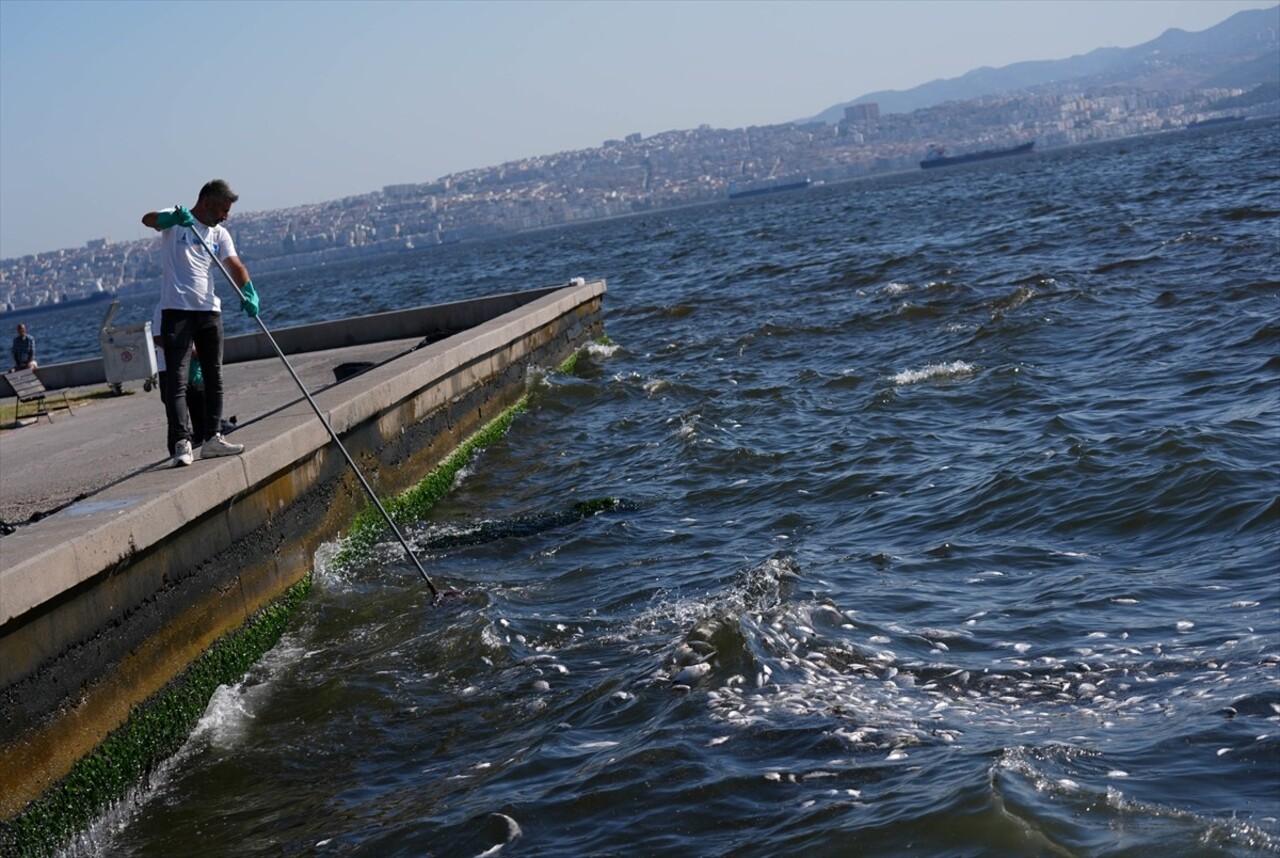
(189, 274)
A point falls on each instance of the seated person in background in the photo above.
(24, 349)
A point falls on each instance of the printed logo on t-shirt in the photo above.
(185, 238)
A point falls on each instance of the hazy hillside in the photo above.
(1242, 51)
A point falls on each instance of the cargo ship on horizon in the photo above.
(937, 156)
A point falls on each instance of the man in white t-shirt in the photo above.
(190, 312)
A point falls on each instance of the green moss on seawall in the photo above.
(570, 366)
(369, 527)
(155, 730)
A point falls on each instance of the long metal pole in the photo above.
(316, 408)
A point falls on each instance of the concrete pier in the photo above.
(138, 568)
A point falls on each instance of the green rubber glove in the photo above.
(249, 299)
(178, 217)
(196, 375)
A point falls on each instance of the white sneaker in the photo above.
(182, 454)
(219, 446)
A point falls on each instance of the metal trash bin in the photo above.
(127, 353)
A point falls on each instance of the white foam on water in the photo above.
(226, 718)
(688, 427)
(598, 349)
(656, 385)
(463, 474)
(933, 371)
(537, 377)
(326, 572)
(329, 575)
(232, 708)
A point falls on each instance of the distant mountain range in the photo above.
(1242, 51)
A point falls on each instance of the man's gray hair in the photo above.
(218, 190)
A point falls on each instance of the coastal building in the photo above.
(868, 112)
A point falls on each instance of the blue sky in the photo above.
(112, 108)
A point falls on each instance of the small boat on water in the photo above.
(937, 156)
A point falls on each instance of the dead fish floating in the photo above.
(692, 673)
(693, 652)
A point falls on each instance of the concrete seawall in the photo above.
(436, 322)
(107, 600)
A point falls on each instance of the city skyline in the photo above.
(349, 98)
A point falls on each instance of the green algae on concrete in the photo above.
(369, 527)
(412, 505)
(154, 731)
(570, 366)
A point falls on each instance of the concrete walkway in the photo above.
(45, 466)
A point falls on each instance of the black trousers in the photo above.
(195, 407)
(179, 330)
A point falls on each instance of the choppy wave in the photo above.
(933, 371)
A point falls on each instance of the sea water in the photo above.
(947, 526)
